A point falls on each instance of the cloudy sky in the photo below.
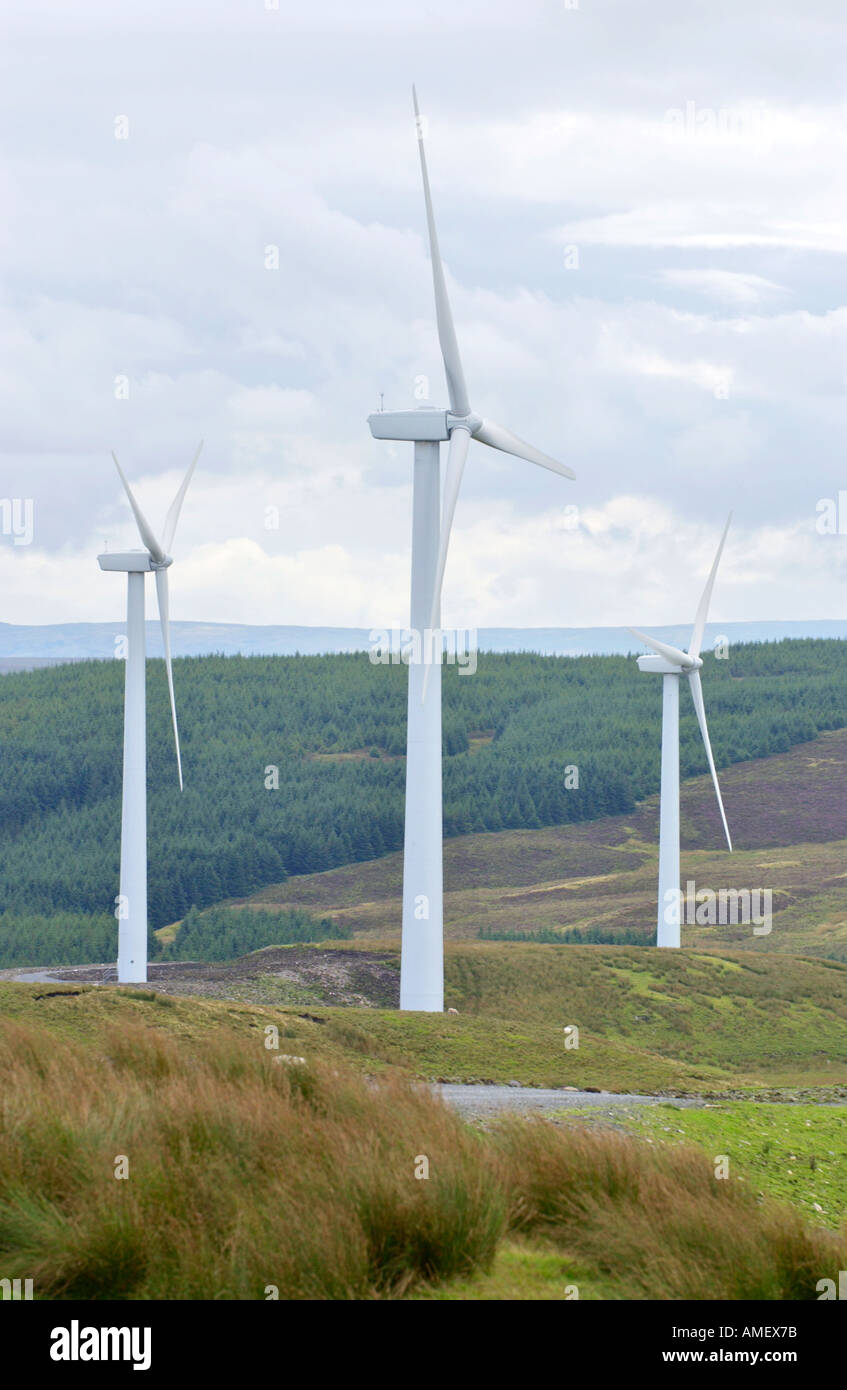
(643, 214)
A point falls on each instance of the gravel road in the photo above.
(489, 1100)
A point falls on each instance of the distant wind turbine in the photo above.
(132, 904)
(422, 954)
(671, 663)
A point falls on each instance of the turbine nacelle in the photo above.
(133, 562)
(431, 423)
(673, 657)
(660, 666)
(427, 423)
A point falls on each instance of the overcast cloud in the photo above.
(643, 213)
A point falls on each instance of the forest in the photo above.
(295, 764)
(225, 933)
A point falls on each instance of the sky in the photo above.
(212, 226)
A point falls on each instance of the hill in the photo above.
(788, 816)
(295, 766)
(648, 1020)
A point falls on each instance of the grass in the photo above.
(796, 1153)
(525, 1271)
(434, 1046)
(244, 1173)
(648, 1020)
(655, 1220)
(247, 1174)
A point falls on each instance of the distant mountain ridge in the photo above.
(24, 646)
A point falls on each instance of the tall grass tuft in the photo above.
(657, 1219)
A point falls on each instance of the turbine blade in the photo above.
(499, 438)
(176, 506)
(703, 610)
(457, 390)
(164, 619)
(457, 454)
(697, 697)
(672, 654)
(144, 528)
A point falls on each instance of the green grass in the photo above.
(526, 1271)
(796, 1153)
(436, 1046)
(648, 1020)
(737, 1013)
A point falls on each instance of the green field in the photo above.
(796, 1153)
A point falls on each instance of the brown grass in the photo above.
(243, 1172)
(247, 1172)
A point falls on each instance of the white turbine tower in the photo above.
(670, 663)
(422, 954)
(132, 904)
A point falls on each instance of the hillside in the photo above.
(787, 814)
(648, 1020)
(294, 766)
(295, 795)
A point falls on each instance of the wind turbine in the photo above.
(671, 663)
(132, 904)
(422, 953)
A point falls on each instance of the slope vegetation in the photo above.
(295, 765)
(787, 814)
(301, 1180)
(647, 1020)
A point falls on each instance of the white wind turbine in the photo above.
(671, 663)
(422, 954)
(132, 904)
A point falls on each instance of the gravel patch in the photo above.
(487, 1100)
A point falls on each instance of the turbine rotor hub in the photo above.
(470, 422)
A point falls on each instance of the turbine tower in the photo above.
(670, 663)
(132, 903)
(422, 954)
